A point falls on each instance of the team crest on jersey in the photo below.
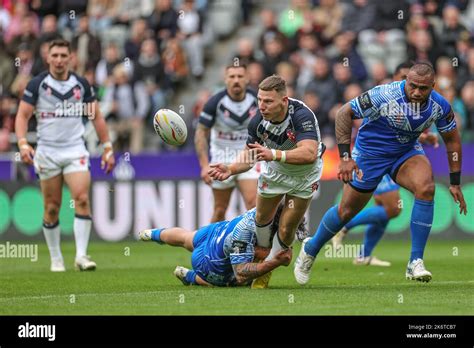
(227, 113)
(82, 161)
(252, 111)
(48, 91)
(264, 186)
(239, 246)
(77, 93)
(291, 135)
(364, 101)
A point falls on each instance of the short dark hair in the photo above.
(404, 65)
(235, 63)
(423, 68)
(273, 83)
(60, 43)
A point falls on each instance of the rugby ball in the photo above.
(170, 127)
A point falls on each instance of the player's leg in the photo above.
(389, 202)
(266, 209)
(334, 219)
(221, 202)
(79, 185)
(51, 190)
(415, 174)
(189, 277)
(248, 189)
(173, 236)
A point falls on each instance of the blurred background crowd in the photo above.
(141, 55)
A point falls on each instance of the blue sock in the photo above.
(155, 235)
(372, 215)
(372, 236)
(329, 226)
(191, 277)
(420, 226)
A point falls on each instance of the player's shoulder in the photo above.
(299, 111)
(35, 82)
(82, 80)
(440, 100)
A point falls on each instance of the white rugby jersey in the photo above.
(60, 107)
(300, 123)
(228, 120)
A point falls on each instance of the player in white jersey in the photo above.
(60, 99)
(285, 133)
(224, 120)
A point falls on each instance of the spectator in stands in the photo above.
(329, 16)
(25, 61)
(255, 74)
(69, 13)
(150, 71)
(44, 8)
(467, 96)
(138, 34)
(269, 21)
(385, 40)
(5, 19)
(466, 71)
(343, 77)
(86, 45)
(26, 35)
(245, 51)
(174, 62)
(343, 50)
(291, 18)
(451, 30)
(323, 85)
(126, 11)
(17, 22)
(101, 15)
(422, 48)
(190, 25)
(49, 32)
(378, 75)
(358, 15)
(304, 58)
(129, 106)
(288, 72)
(445, 74)
(7, 69)
(107, 64)
(7, 120)
(273, 53)
(40, 60)
(163, 20)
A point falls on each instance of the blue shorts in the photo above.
(386, 185)
(374, 168)
(213, 270)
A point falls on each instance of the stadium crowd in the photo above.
(137, 54)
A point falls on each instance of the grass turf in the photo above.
(136, 278)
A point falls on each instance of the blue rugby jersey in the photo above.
(391, 125)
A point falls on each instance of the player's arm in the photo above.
(245, 160)
(108, 160)
(201, 144)
(452, 140)
(347, 165)
(245, 272)
(25, 111)
(306, 152)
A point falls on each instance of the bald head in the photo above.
(423, 69)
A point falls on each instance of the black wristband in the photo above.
(455, 178)
(344, 150)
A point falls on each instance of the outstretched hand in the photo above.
(346, 167)
(219, 171)
(458, 197)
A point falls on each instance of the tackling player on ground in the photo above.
(225, 118)
(394, 116)
(223, 253)
(62, 99)
(285, 134)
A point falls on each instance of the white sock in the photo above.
(263, 233)
(82, 231)
(52, 234)
(276, 247)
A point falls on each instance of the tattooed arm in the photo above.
(244, 272)
(343, 138)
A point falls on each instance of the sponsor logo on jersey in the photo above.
(364, 101)
(77, 93)
(239, 246)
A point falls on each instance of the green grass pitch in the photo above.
(136, 278)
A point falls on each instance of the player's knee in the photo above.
(426, 191)
(393, 210)
(286, 234)
(51, 212)
(82, 201)
(345, 213)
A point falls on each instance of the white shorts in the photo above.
(51, 161)
(251, 174)
(272, 183)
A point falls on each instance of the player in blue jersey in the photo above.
(394, 116)
(284, 134)
(387, 203)
(223, 253)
